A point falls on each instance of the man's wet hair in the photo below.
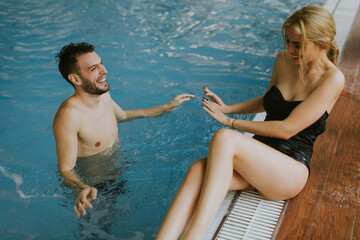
(67, 58)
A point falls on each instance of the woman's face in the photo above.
(293, 42)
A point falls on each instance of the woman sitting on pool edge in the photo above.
(304, 87)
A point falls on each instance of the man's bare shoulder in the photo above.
(70, 106)
(68, 113)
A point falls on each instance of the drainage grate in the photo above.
(252, 217)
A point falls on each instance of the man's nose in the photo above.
(103, 69)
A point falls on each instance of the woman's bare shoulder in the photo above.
(334, 76)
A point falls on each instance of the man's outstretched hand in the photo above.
(179, 99)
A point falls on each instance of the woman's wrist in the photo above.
(229, 122)
(233, 122)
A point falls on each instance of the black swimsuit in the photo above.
(300, 146)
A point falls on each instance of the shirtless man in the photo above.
(86, 123)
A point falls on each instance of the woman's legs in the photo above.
(275, 175)
(184, 202)
(182, 207)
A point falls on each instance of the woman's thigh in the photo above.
(237, 181)
(275, 175)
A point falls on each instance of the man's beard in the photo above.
(91, 87)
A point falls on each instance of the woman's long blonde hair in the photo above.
(316, 24)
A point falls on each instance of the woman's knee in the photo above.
(227, 140)
(227, 135)
(223, 133)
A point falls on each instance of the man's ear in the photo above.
(75, 79)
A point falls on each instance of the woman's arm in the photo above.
(250, 107)
(309, 111)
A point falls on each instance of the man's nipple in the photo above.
(97, 144)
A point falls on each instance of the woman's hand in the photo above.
(214, 111)
(215, 99)
(83, 200)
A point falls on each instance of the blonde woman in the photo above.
(304, 87)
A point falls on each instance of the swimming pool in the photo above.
(153, 50)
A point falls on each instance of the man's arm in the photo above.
(129, 115)
(65, 129)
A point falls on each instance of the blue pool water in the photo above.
(153, 50)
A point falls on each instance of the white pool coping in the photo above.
(344, 13)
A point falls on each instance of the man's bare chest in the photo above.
(97, 132)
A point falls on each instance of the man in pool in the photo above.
(86, 122)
